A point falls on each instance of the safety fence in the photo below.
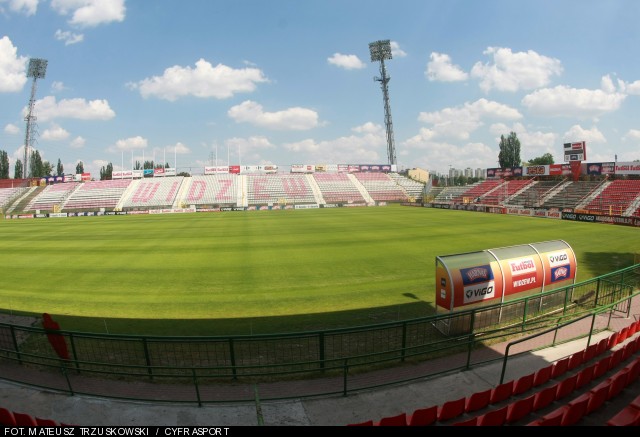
(233, 368)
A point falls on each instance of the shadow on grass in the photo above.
(601, 263)
(247, 326)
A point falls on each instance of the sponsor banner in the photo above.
(137, 174)
(309, 206)
(138, 212)
(270, 168)
(558, 258)
(343, 168)
(476, 274)
(627, 168)
(353, 168)
(560, 169)
(560, 273)
(235, 169)
(330, 205)
(169, 171)
(536, 170)
(58, 214)
(479, 292)
(216, 169)
(147, 172)
(297, 168)
(522, 274)
(321, 167)
(41, 216)
(332, 168)
(158, 172)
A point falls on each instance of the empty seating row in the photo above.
(558, 387)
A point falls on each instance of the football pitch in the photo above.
(251, 272)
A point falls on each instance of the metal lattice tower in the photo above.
(37, 70)
(381, 50)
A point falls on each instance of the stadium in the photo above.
(320, 281)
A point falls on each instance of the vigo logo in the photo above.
(479, 292)
(558, 258)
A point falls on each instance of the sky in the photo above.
(194, 83)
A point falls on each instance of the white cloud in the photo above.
(633, 88)
(632, 135)
(607, 85)
(248, 149)
(55, 133)
(578, 133)
(132, 143)
(514, 71)
(348, 62)
(396, 51)
(90, 13)
(57, 86)
(27, 7)
(461, 121)
(179, 149)
(572, 102)
(441, 69)
(533, 144)
(12, 67)
(77, 143)
(368, 145)
(69, 38)
(80, 109)
(11, 129)
(289, 119)
(220, 82)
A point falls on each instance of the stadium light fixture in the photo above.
(381, 50)
(37, 70)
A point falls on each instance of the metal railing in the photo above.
(338, 361)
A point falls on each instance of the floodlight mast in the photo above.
(37, 70)
(381, 50)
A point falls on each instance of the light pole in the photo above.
(381, 50)
(37, 70)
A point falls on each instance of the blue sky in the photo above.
(250, 82)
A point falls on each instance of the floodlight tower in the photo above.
(381, 50)
(37, 70)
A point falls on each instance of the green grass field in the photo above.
(262, 271)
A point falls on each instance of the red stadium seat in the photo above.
(575, 411)
(423, 416)
(23, 419)
(618, 382)
(501, 392)
(613, 340)
(397, 420)
(602, 367)
(523, 384)
(7, 418)
(365, 423)
(545, 397)
(575, 360)
(46, 422)
(598, 396)
(494, 418)
(478, 400)
(585, 376)
(602, 346)
(628, 416)
(451, 409)
(560, 368)
(519, 409)
(542, 376)
(590, 352)
(553, 418)
(566, 386)
(616, 358)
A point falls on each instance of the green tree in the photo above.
(545, 159)
(36, 165)
(59, 168)
(18, 170)
(509, 155)
(79, 167)
(106, 173)
(47, 168)
(4, 165)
